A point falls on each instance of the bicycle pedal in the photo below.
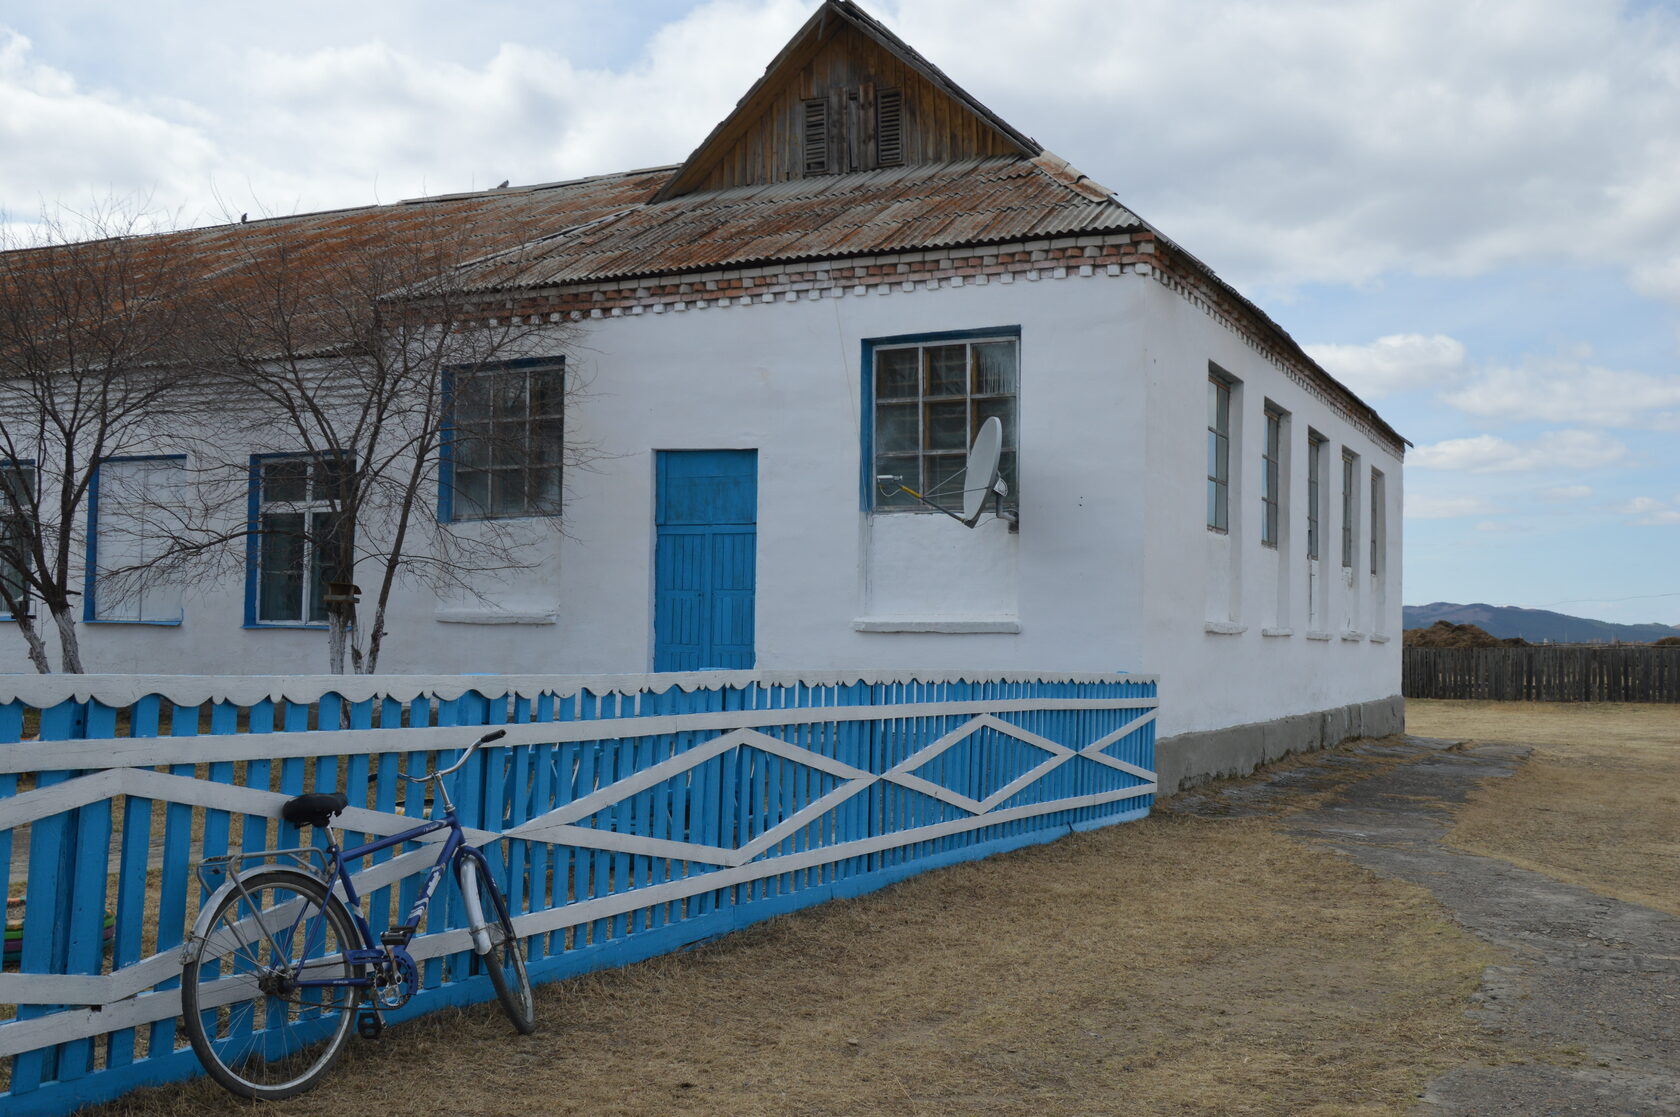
(369, 1025)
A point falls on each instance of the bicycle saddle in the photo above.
(313, 810)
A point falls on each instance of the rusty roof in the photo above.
(981, 201)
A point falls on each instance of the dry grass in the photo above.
(1597, 805)
(1172, 966)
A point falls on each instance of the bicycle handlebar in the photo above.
(494, 735)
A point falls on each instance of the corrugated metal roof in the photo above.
(939, 206)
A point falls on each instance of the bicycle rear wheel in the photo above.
(258, 1033)
(505, 960)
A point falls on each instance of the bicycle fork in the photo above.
(476, 925)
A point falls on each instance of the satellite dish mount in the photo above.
(980, 479)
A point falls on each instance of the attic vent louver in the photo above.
(816, 137)
(889, 129)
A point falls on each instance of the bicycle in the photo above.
(278, 966)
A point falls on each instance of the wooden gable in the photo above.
(845, 95)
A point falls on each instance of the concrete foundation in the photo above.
(1192, 758)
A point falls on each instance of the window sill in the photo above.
(1318, 635)
(1351, 636)
(949, 625)
(1380, 637)
(1219, 530)
(1223, 628)
(282, 626)
(176, 623)
(490, 616)
(1277, 632)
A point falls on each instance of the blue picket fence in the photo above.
(625, 817)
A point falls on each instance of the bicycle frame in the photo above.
(332, 873)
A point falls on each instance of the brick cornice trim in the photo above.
(1141, 253)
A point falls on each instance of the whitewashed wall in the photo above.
(1113, 569)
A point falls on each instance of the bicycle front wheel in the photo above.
(258, 1022)
(505, 960)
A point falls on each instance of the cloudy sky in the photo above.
(1469, 211)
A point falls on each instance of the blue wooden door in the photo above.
(706, 517)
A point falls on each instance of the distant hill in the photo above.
(1534, 625)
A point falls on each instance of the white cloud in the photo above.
(1568, 493)
(283, 128)
(1421, 507)
(67, 145)
(1650, 512)
(1571, 392)
(1398, 362)
(1486, 453)
(1301, 141)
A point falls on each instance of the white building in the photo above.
(856, 267)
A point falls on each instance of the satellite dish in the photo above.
(981, 476)
(980, 479)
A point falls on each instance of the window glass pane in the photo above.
(510, 396)
(994, 367)
(944, 479)
(895, 470)
(542, 488)
(896, 428)
(507, 488)
(895, 374)
(15, 509)
(331, 473)
(280, 567)
(285, 480)
(471, 494)
(947, 370)
(469, 451)
(1004, 409)
(947, 425)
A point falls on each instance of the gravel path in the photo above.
(1594, 981)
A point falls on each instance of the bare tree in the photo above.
(374, 375)
(91, 325)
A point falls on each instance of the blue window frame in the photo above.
(295, 518)
(127, 518)
(924, 398)
(503, 441)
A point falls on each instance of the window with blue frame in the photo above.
(135, 510)
(299, 526)
(17, 503)
(506, 441)
(929, 399)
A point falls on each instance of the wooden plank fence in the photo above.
(1624, 673)
(624, 816)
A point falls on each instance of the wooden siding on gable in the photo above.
(847, 74)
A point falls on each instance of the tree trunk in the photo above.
(37, 646)
(338, 638)
(375, 639)
(69, 647)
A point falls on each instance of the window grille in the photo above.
(300, 521)
(1269, 478)
(506, 441)
(1219, 455)
(929, 403)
